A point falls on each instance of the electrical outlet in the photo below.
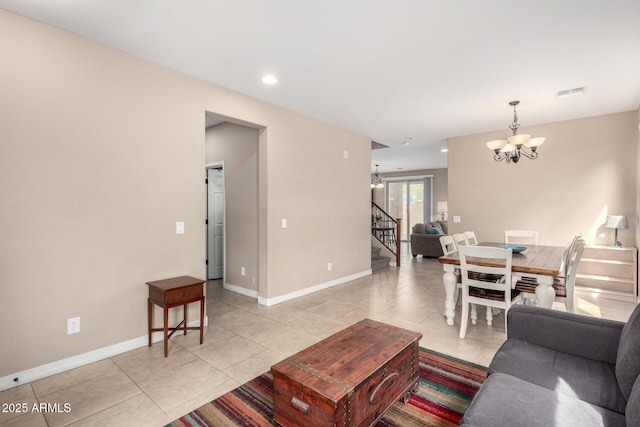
(243, 272)
(73, 325)
(329, 266)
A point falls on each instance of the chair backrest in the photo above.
(486, 261)
(568, 254)
(527, 237)
(460, 240)
(448, 245)
(471, 238)
(572, 264)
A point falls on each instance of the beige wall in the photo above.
(101, 153)
(587, 169)
(637, 218)
(237, 146)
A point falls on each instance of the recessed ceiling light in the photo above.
(269, 80)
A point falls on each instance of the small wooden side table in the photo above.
(171, 293)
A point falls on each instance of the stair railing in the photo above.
(386, 230)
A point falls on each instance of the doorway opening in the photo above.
(215, 221)
(410, 199)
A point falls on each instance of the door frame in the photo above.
(216, 165)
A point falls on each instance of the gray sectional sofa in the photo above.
(425, 243)
(561, 369)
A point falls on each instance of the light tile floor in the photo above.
(243, 340)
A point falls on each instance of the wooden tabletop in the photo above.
(545, 260)
(175, 282)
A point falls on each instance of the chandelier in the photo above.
(512, 148)
(376, 181)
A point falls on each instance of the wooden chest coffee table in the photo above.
(348, 379)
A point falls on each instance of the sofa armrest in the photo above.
(583, 336)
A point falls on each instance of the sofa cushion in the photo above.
(437, 226)
(444, 226)
(504, 400)
(633, 405)
(628, 361)
(578, 377)
(431, 230)
(419, 228)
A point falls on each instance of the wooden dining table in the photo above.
(539, 261)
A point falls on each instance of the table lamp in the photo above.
(442, 209)
(616, 222)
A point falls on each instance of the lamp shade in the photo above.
(616, 221)
(497, 144)
(535, 142)
(519, 139)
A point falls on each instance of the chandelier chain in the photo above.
(515, 125)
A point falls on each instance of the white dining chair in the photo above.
(489, 293)
(470, 236)
(563, 285)
(521, 237)
(565, 289)
(448, 245)
(460, 240)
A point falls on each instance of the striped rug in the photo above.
(447, 386)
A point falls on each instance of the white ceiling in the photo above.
(425, 69)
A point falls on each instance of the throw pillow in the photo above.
(431, 230)
(437, 226)
(419, 228)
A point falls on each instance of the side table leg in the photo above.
(202, 320)
(149, 317)
(184, 326)
(166, 331)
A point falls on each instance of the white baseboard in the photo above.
(312, 289)
(240, 290)
(76, 361)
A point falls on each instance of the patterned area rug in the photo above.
(447, 386)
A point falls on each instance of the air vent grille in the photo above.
(571, 92)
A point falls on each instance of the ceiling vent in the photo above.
(571, 92)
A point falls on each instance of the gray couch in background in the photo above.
(561, 369)
(425, 244)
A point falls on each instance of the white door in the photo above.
(215, 223)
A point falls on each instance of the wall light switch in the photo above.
(180, 227)
(243, 272)
(345, 154)
(456, 218)
(329, 266)
(284, 222)
(73, 325)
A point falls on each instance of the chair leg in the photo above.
(490, 316)
(463, 319)
(474, 314)
(569, 301)
(506, 310)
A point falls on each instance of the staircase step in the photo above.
(379, 263)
